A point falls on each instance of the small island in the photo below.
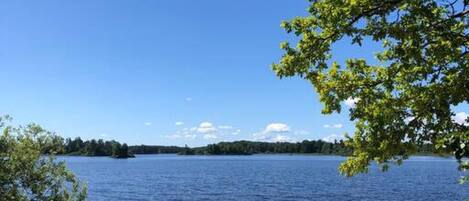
(119, 151)
(78, 147)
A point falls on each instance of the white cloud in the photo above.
(351, 102)
(179, 123)
(188, 99)
(460, 118)
(271, 133)
(184, 132)
(332, 137)
(227, 129)
(206, 128)
(277, 128)
(147, 123)
(272, 138)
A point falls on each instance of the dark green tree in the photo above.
(116, 147)
(124, 152)
(26, 174)
(404, 99)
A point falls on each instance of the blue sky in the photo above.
(159, 72)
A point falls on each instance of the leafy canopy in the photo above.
(27, 174)
(406, 98)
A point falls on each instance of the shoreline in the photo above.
(256, 154)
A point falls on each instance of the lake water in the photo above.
(263, 177)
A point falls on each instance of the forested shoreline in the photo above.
(100, 147)
(252, 147)
(248, 148)
(112, 148)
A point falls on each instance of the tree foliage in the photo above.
(155, 149)
(244, 147)
(405, 97)
(249, 147)
(95, 148)
(27, 174)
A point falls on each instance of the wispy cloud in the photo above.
(274, 132)
(333, 126)
(276, 128)
(179, 123)
(205, 128)
(147, 123)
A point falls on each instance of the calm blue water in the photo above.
(262, 177)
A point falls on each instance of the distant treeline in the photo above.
(89, 147)
(96, 148)
(113, 148)
(249, 147)
(151, 149)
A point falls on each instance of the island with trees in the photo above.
(94, 147)
(55, 144)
